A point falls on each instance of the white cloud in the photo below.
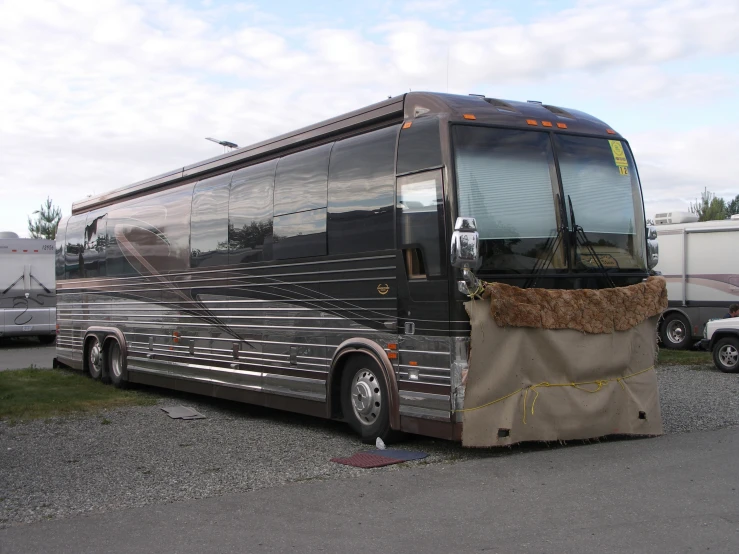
(99, 93)
(675, 167)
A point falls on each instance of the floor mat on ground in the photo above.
(183, 412)
(379, 458)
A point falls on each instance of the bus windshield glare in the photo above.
(507, 179)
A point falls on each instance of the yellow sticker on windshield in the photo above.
(623, 170)
(619, 156)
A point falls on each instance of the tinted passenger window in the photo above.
(300, 235)
(74, 257)
(419, 146)
(250, 213)
(421, 221)
(301, 180)
(151, 235)
(60, 248)
(95, 244)
(361, 191)
(209, 222)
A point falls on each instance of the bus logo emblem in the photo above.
(383, 289)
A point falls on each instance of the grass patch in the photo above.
(684, 357)
(42, 393)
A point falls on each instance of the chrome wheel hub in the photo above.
(95, 356)
(366, 396)
(728, 355)
(676, 331)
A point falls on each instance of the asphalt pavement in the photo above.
(20, 353)
(676, 493)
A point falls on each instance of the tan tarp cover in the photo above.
(536, 378)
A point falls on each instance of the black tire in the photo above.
(726, 355)
(115, 364)
(94, 358)
(46, 339)
(365, 399)
(675, 332)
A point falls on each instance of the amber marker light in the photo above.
(176, 337)
(531, 122)
(407, 124)
(610, 131)
(562, 125)
(392, 346)
(413, 363)
(392, 355)
(546, 123)
(469, 116)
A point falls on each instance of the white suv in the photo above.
(721, 336)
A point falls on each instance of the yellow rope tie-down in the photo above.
(599, 383)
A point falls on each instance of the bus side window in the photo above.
(95, 243)
(361, 187)
(61, 233)
(74, 256)
(209, 222)
(250, 213)
(150, 235)
(301, 188)
(419, 146)
(421, 214)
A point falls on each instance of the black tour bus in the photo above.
(313, 272)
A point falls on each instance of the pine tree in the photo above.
(710, 207)
(733, 206)
(46, 222)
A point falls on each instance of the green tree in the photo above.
(710, 207)
(733, 206)
(46, 222)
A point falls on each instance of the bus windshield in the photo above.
(507, 179)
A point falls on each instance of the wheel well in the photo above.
(720, 335)
(680, 313)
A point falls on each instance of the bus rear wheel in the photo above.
(675, 332)
(364, 399)
(114, 364)
(94, 358)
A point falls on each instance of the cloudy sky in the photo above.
(96, 94)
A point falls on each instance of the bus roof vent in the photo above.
(8, 235)
(559, 111)
(501, 105)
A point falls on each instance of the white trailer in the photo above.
(701, 264)
(27, 288)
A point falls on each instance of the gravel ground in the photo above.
(136, 456)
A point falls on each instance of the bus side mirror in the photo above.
(652, 247)
(465, 251)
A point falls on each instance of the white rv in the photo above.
(701, 264)
(27, 288)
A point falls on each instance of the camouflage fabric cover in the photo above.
(552, 365)
(590, 311)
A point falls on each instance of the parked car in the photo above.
(722, 338)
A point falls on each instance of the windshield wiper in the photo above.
(550, 248)
(579, 237)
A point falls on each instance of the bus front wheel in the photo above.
(364, 399)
